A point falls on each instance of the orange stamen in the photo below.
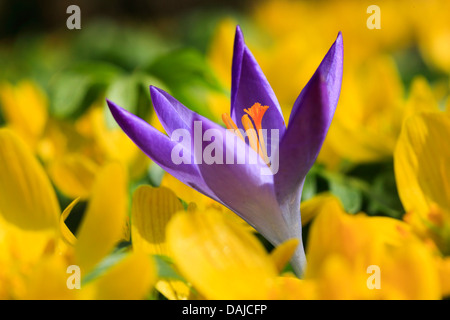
(256, 112)
(255, 137)
(229, 123)
(251, 133)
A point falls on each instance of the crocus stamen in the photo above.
(256, 112)
(251, 133)
(229, 123)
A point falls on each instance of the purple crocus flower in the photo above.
(268, 202)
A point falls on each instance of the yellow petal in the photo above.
(367, 121)
(25, 109)
(220, 50)
(66, 234)
(220, 258)
(174, 289)
(311, 207)
(358, 238)
(329, 157)
(283, 253)
(185, 192)
(27, 198)
(332, 231)
(444, 275)
(291, 288)
(130, 279)
(48, 281)
(422, 163)
(347, 245)
(102, 224)
(152, 208)
(409, 272)
(73, 175)
(349, 284)
(21, 249)
(421, 98)
(115, 144)
(406, 271)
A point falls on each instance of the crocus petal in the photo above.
(171, 113)
(246, 188)
(201, 201)
(240, 185)
(309, 122)
(158, 147)
(249, 85)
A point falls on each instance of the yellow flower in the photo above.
(345, 252)
(422, 168)
(431, 21)
(24, 108)
(72, 151)
(280, 19)
(33, 254)
(368, 121)
(422, 163)
(76, 150)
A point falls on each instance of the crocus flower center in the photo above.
(255, 137)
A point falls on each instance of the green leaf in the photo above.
(350, 196)
(124, 91)
(99, 71)
(132, 93)
(155, 174)
(121, 45)
(385, 197)
(68, 94)
(166, 269)
(189, 78)
(104, 265)
(76, 88)
(144, 80)
(184, 66)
